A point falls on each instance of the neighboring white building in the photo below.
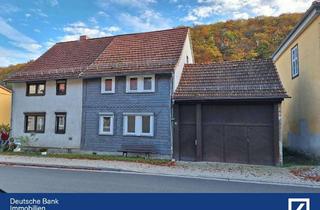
(55, 119)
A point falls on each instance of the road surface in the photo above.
(45, 180)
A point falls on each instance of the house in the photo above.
(298, 60)
(229, 112)
(5, 105)
(144, 91)
(99, 94)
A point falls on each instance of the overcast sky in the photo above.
(28, 28)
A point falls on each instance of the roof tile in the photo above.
(157, 51)
(232, 79)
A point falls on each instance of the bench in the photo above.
(134, 148)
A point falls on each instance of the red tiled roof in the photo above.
(230, 80)
(151, 51)
(63, 60)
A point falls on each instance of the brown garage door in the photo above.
(239, 133)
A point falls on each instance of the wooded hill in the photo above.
(5, 71)
(241, 39)
(231, 40)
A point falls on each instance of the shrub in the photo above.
(6, 127)
(26, 141)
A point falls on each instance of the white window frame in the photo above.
(103, 89)
(295, 62)
(140, 84)
(101, 116)
(138, 124)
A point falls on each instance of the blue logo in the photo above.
(298, 204)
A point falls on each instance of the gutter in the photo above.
(182, 99)
(6, 89)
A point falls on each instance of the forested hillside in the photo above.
(5, 71)
(231, 40)
(241, 39)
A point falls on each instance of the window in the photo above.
(106, 124)
(35, 122)
(147, 83)
(187, 59)
(138, 84)
(36, 89)
(61, 122)
(138, 124)
(108, 85)
(294, 62)
(133, 83)
(61, 87)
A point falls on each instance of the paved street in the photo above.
(22, 179)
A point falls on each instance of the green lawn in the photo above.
(93, 157)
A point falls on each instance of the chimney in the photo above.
(83, 37)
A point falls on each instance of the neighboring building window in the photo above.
(61, 118)
(294, 61)
(138, 124)
(36, 89)
(106, 124)
(138, 84)
(108, 85)
(35, 122)
(187, 59)
(61, 87)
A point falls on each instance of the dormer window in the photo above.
(140, 84)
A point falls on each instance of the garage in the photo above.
(228, 112)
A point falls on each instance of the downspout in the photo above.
(171, 113)
(11, 112)
(280, 135)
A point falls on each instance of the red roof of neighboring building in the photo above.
(151, 51)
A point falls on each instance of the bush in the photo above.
(6, 127)
(293, 157)
(26, 141)
(43, 150)
(9, 146)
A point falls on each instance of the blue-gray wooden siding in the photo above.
(120, 102)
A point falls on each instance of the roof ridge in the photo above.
(76, 58)
(128, 34)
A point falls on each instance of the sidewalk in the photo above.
(217, 171)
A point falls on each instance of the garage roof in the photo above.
(230, 80)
